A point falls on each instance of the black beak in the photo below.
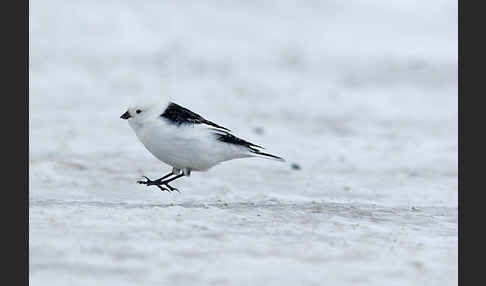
(125, 115)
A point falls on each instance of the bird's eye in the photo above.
(138, 111)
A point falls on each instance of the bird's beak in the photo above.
(125, 115)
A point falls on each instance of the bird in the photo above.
(185, 140)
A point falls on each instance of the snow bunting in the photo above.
(185, 140)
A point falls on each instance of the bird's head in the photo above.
(138, 113)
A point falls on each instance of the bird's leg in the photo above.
(166, 182)
(156, 182)
(152, 183)
(164, 177)
(164, 185)
(186, 172)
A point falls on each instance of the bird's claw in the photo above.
(164, 187)
(148, 182)
(172, 188)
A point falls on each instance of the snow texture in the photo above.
(360, 97)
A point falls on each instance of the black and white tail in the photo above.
(225, 136)
(266, 155)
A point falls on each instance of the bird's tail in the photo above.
(258, 153)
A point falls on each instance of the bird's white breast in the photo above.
(185, 146)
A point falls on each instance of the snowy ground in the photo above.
(361, 94)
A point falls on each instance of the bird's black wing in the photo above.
(231, 139)
(179, 115)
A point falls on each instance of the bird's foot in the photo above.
(163, 186)
(148, 182)
(170, 187)
(153, 183)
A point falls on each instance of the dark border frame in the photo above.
(14, 23)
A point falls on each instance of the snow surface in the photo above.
(361, 94)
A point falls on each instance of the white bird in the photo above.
(185, 140)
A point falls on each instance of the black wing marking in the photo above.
(180, 115)
(231, 139)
